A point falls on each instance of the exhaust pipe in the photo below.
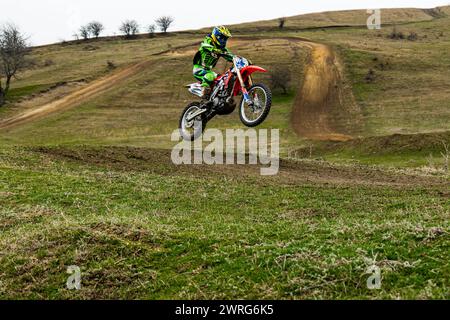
(196, 114)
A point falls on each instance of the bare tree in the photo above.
(164, 23)
(280, 78)
(95, 28)
(151, 30)
(85, 32)
(129, 28)
(281, 22)
(13, 48)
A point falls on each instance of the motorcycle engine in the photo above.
(223, 103)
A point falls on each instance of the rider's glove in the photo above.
(229, 55)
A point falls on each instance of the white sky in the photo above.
(47, 21)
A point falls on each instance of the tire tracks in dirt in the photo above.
(324, 109)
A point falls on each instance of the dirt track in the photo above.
(321, 100)
(92, 90)
(291, 172)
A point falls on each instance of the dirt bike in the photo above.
(253, 109)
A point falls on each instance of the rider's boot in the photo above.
(206, 93)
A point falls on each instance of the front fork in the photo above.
(245, 91)
(250, 81)
(243, 88)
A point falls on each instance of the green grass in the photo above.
(432, 162)
(426, 151)
(15, 94)
(148, 235)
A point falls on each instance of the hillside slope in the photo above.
(348, 18)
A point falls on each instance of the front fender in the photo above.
(246, 73)
(251, 69)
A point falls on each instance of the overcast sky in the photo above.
(48, 21)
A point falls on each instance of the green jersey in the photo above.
(208, 55)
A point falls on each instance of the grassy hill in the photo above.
(93, 185)
(346, 18)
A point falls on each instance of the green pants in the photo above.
(204, 75)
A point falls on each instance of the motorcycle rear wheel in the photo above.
(192, 130)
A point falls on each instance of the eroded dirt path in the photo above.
(323, 110)
(90, 91)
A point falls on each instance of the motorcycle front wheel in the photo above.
(191, 130)
(256, 112)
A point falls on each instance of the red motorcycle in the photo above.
(254, 106)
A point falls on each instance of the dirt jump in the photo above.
(290, 173)
(323, 109)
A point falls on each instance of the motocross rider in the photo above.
(212, 48)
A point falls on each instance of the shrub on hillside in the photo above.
(48, 63)
(280, 78)
(413, 36)
(396, 35)
(110, 65)
(370, 76)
